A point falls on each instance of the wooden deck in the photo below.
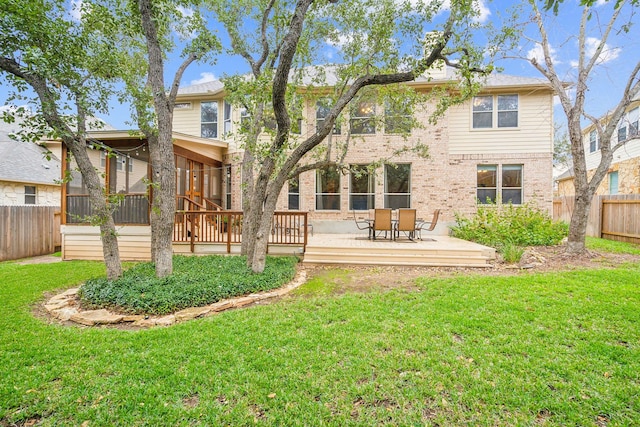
(357, 249)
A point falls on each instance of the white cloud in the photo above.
(186, 12)
(204, 78)
(537, 53)
(479, 5)
(608, 53)
(484, 11)
(76, 10)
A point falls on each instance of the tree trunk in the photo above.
(259, 256)
(162, 157)
(163, 208)
(99, 208)
(579, 221)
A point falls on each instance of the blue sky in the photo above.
(605, 86)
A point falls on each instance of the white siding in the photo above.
(629, 151)
(187, 120)
(83, 242)
(534, 133)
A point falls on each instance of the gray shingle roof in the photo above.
(327, 76)
(201, 88)
(25, 162)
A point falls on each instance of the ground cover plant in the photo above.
(560, 348)
(509, 227)
(196, 281)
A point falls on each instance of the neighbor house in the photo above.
(623, 176)
(27, 175)
(497, 147)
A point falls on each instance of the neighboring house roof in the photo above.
(93, 123)
(328, 76)
(26, 162)
(568, 174)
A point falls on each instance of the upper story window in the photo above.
(362, 118)
(245, 118)
(227, 119)
(322, 110)
(209, 119)
(397, 118)
(633, 121)
(29, 194)
(487, 116)
(622, 131)
(593, 141)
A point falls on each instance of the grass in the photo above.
(604, 245)
(536, 349)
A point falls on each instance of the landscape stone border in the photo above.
(66, 307)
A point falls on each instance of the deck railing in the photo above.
(200, 226)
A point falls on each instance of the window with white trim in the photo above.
(633, 121)
(362, 190)
(397, 186)
(362, 118)
(226, 126)
(322, 110)
(397, 117)
(593, 141)
(613, 182)
(622, 130)
(228, 187)
(487, 116)
(505, 180)
(29, 194)
(294, 194)
(209, 119)
(328, 189)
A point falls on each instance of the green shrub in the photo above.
(196, 281)
(522, 225)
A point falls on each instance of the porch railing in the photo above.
(199, 226)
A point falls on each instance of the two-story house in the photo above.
(623, 176)
(495, 147)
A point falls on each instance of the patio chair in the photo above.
(382, 222)
(406, 223)
(427, 225)
(363, 224)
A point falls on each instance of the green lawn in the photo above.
(552, 349)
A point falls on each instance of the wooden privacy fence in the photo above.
(203, 226)
(27, 231)
(611, 217)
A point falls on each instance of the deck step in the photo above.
(434, 257)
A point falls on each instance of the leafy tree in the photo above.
(156, 19)
(610, 18)
(68, 67)
(382, 44)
